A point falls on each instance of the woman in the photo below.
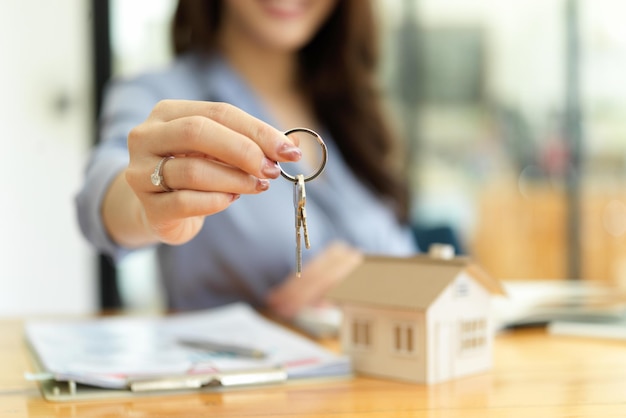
(244, 72)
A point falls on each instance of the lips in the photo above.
(284, 9)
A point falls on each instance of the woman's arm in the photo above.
(220, 152)
(320, 275)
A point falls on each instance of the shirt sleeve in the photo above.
(126, 104)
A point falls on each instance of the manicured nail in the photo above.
(270, 169)
(262, 185)
(290, 151)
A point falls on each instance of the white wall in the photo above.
(45, 115)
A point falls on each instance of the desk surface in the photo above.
(535, 375)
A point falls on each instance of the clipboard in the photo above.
(60, 390)
(73, 361)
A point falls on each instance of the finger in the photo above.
(273, 142)
(196, 134)
(199, 174)
(173, 208)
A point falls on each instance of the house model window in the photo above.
(361, 333)
(473, 335)
(404, 338)
(462, 289)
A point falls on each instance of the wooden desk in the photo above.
(536, 375)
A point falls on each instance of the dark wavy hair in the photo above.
(338, 72)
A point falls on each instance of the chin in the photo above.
(287, 44)
(280, 24)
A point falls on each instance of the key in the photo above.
(299, 201)
(302, 206)
(307, 243)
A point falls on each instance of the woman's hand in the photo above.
(220, 152)
(318, 276)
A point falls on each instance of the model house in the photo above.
(424, 319)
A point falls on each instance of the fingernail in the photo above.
(270, 169)
(290, 151)
(234, 197)
(262, 185)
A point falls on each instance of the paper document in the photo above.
(540, 302)
(113, 351)
(615, 330)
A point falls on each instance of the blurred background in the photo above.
(512, 113)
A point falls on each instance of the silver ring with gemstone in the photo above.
(157, 176)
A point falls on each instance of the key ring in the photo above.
(319, 170)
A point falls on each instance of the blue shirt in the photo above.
(245, 250)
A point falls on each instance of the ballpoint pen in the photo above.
(213, 346)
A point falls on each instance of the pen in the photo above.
(216, 347)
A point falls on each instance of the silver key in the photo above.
(299, 202)
(307, 243)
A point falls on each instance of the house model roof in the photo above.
(407, 282)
